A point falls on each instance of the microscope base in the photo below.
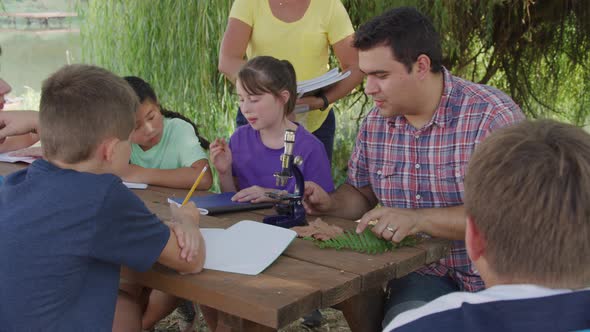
(285, 221)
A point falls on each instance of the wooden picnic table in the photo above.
(302, 279)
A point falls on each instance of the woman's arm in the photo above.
(18, 142)
(18, 123)
(233, 48)
(182, 178)
(348, 59)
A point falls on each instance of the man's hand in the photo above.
(315, 199)
(220, 155)
(393, 224)
(18, 123)
(185, 225)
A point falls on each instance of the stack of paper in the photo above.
(310, 87)
(247, 247)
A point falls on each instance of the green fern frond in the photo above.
(366, 242)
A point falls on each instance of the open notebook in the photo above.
(222, 203)
(247, 247)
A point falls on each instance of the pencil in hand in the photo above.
(195, 185)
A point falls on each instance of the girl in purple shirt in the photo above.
(267, 90)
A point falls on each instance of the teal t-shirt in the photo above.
(179, 147)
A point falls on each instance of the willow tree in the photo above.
(172, 44)
(534, 50)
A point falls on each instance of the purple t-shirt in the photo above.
(254, 163)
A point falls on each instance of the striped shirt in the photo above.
(415, 168)
(520, 307)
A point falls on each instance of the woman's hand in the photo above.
(314, 103)
(18, 123)
(220, 155)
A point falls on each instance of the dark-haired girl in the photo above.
(167, 149)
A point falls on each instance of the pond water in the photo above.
(31, 52)
(29, 57)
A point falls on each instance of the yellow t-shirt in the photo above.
(305, 42)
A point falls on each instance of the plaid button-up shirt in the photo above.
(415, 168)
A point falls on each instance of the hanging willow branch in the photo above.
(537, 51)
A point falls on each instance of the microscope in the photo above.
(290, 211)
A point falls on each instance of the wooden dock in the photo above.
(42, 19)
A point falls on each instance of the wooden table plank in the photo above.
(287, 290)
(435, 249)
(336, 286)
(7, 168)
(374, 269)
(263, 298)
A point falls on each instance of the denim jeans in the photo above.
(413, 291)
(325, 133)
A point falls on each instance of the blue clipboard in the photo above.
(222, 203)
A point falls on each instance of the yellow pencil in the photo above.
(195, 185)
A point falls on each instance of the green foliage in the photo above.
(366, 242)
(536, 51)
(174, 45)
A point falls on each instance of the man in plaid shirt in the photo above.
(412, 150)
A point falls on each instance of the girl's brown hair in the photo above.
(265, 74)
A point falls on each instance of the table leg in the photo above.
(227, 322)
(364, 312)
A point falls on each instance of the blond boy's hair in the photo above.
(528, 190)
(81, 105)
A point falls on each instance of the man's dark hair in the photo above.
(407, 32)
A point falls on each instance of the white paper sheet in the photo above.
(6, 157)
(247, 247)
(135, 185)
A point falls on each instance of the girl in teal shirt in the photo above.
(167, 149)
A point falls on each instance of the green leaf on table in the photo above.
(366, 242)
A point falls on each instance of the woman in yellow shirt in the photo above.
(300, 31)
